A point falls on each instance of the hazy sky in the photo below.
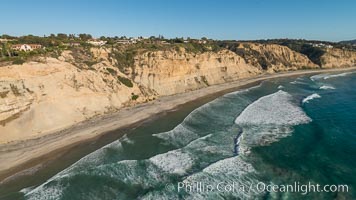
(219, 19)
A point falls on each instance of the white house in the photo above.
(128, 41)
(123, 41)
(322, 45)
(97, 42)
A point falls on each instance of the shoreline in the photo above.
(17, 157)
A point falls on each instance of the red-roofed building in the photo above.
(25, 47)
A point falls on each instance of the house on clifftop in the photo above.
(25, 47)
(96, 42)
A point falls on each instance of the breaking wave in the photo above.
(186, 132)
(180, 135)
(176, 162)
(326, 87)
(276, 109)
(328, 76)
(269, 119)
(229, 170)
(298, 82)
(311, 97)
(337, 75)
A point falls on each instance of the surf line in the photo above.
(237, 142)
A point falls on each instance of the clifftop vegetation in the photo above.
(124, 49)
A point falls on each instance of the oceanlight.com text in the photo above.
(260, 187)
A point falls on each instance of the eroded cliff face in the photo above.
(336, 58)
(36, 98)
(41, 97)
(15, 98)
(273, 58)
(172, 72)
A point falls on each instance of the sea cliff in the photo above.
(51, 94)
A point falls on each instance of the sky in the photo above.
(331, 20)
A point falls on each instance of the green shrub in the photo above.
(124, 59)
(125, 81)
(18, 61)
(90, 63)
(111, 71)
(134, 96)
(203, 78)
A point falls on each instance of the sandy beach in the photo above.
(16, 156)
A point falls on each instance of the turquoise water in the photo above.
(280, 132)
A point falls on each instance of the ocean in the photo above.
(277, 140)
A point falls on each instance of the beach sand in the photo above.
(20, 155)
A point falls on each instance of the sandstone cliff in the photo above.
(335, 58)
(41, 97)
(273, 58)
(172, 72)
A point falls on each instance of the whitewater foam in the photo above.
(126, 139)
(179, 136)
(228, 170)
(328, 76)
(244, 90)
(176, 162)
(318, 76)
(298, 82)
(45, 193)
(275, 108)
(234, 165)
(311, 97)
(262, 136)
(326, 87)
(94, 159)
(337, 75)
(269, 119)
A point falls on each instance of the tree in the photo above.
(5, 50)
(178, 40)
(84, 36)
(71, 36)
(4, 36)
(160, 37)
(62, 36)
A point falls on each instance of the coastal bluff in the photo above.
(50, 94)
